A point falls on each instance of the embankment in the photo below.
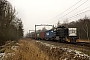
(35, 50)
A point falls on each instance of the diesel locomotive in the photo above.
(64, 34)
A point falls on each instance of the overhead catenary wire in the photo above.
(74, 9)
(80, 13)
(67, 9)
(71, 10)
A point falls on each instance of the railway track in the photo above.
(80, 46)
(84, 44)
(87, 44)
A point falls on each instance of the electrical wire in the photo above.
(74, 9)
(80, 13)
(67, 9)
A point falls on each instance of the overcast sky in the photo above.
(49, 11)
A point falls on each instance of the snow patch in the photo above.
(65, 59)
(77, 53)
(2, 55)
(14, 48)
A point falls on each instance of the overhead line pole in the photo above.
(40, 25)
(29, 32)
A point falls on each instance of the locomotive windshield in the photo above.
(72, 32)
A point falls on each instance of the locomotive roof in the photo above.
(61, 27)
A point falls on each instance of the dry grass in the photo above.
(81, 40)
(32, 50)
(28, 51)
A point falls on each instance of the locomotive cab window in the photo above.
(72, 31)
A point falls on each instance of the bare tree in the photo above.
(86, 27)
(58, 24)
(65, 23)
(8, 22)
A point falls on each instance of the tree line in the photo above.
(82, 25)
(11, 27)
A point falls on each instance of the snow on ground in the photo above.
(2, 55)
(14, 48)
(77, 53)
(5, 55)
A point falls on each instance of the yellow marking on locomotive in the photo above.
(77, 40)
(68, 40)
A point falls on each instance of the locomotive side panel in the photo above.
(38, 35)
(49, 34)
(60, 33)
(42, 35)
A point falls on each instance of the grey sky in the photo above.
(45, 11)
